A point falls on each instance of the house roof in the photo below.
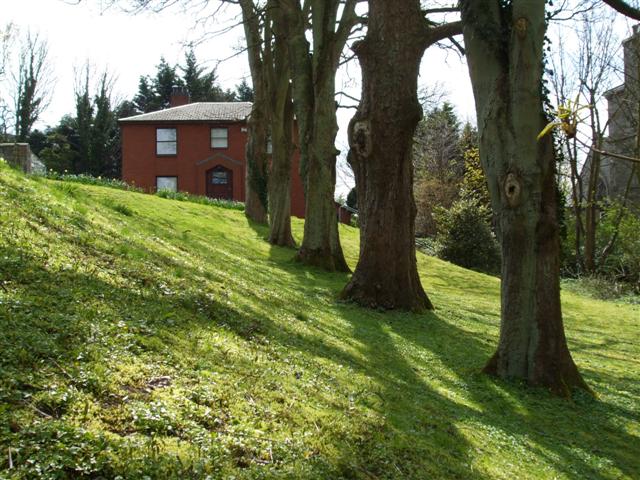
(614, 91)
(194, 112)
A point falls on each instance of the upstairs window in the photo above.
(166, 141)
(219, 138)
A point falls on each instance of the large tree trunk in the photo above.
(255, 206)
(314, 72)
(256, 154)
(504, 53)
(276, 57)
(280, 176)
(321, 241)
(380, 137)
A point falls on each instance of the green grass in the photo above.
(143, 336)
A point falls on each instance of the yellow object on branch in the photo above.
(566, 118)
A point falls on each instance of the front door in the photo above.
(220, 183)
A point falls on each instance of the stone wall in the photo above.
(20, 155)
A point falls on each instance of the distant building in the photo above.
(623, 106)
(345, 213)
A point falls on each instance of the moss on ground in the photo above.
(143, 336)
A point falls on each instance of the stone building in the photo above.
(623, 105)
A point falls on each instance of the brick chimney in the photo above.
(179, 96)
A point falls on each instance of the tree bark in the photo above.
(314, 72)
(321, 242)
(504, 51)
(380, 137)
(255, 206)
(256, 155)
(281, 121)
(280, 176)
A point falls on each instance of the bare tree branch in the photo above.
(624, 8)
(616, 155)
(445, 30)
(33, 83)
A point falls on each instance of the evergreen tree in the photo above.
(438, 164)
(88, 142)
(474, 183)
(352, 198)
(84, 118)
(465, 238)
(200, 84)
(103, 132)
(163, 82)
(437, 145)
(244, 93)
(144, 99)
(37, 141)
(59, 150)
(154, 92)
(468, 138)
(125, 109)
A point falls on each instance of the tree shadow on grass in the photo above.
(405, 413)
(581, 438)
(378, 427)
(420, 421)
(563, 432)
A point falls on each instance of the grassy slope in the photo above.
(147, 336)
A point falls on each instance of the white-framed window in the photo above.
(167, 183)
(219, 138)
(166, 141)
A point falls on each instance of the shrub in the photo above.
(603, 288)
(91, 180)
(431, 194)
(465, 237)
(427, 245)
(187, 197)
(623, 263)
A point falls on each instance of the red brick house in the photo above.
(194, 147)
